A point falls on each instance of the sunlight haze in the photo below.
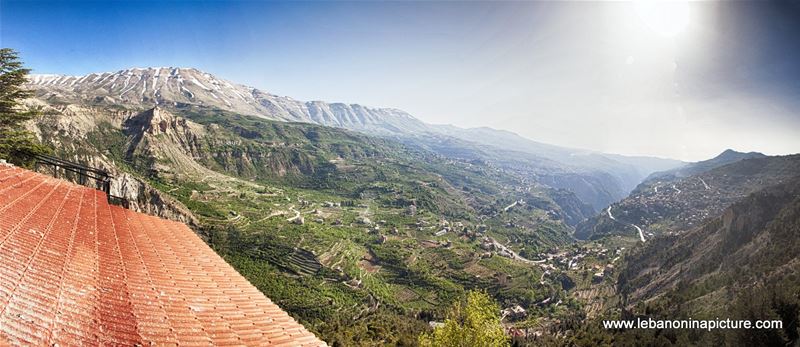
(668, 79)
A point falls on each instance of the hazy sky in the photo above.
(679, 80)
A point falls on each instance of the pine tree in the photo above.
(15, 140)
(472, 322)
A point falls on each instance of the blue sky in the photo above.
(281, 46)
(601, 76)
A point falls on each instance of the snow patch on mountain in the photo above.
(148, 87)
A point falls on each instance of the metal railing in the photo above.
(84, 173)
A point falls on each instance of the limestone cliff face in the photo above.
(167, 145)
(144, 198)
(70, 124)
(164, 143)
(136, 145)
(72, 131)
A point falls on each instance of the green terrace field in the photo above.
(344, 262)
(364, 240)
(354, 259)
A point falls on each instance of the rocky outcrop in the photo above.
(165, 144)
(75, 133)
(144, 198)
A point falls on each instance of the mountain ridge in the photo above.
(598, 178)
(671, 203)
(726, 157)
(106, 78)
(327, 211)
(147, 87)
(742, 264)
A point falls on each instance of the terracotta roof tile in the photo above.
(75, 270)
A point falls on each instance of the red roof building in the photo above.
(75, 270)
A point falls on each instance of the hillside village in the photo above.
(197, 208)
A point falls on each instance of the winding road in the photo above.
(514, 255)
(641, 233)
(511, 206)
(296, 214)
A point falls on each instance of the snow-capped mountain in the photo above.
(597, 178)
(171, 86)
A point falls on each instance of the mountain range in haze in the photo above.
(393, 218)
(597, 178)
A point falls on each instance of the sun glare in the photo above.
(666, 18)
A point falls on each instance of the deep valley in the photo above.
(366, 224)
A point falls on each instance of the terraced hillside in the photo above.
(342, 230)
(743, 264)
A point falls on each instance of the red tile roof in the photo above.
(75, 270)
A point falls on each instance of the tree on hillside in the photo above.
(15, 141)
(472, 321)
